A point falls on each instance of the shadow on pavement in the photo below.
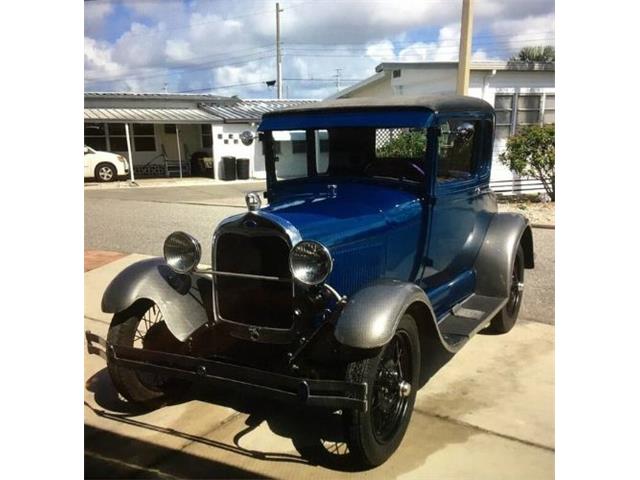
(101, 462)
(317, 434)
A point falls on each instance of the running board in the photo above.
(468, 318)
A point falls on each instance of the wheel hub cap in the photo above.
(404, 389)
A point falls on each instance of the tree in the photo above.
(406, 145)
(532, 153)
(535, 54)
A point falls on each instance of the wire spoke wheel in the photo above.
(150, 334)
(390, 398)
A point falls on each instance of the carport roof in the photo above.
(249, 110)
(150, 115)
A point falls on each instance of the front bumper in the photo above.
(310, 392)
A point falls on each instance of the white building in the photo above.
(521, 93)
(166, 130)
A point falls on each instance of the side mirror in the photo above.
(464, 131)
(86, 150)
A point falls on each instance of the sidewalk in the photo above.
(165, 182)
(489, 414)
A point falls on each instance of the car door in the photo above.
(456, 229)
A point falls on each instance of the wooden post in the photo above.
(464, 60)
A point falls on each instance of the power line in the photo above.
(262, 53)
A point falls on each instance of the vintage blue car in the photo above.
(379, 255)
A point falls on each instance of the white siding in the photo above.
(235, 148)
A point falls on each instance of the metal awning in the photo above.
(247, 111)
(150, 115)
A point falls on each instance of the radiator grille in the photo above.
(250, 301)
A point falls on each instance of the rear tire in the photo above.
(135, 327)
(506, 318)
(374, 435)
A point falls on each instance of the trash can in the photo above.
(242, 168)
(228, 168)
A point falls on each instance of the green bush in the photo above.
(405, 145)
(532, 153)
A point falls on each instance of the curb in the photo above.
(89, 186)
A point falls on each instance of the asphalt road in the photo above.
(137, 220)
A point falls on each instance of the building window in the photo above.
(528, 110)
(549, 109)
(397, 73)
(504, 112)
(219, 136)
(519, 110)
(144, 137)
(205, 133)
(95, 136)
(117, 137)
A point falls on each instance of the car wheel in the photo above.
(506, 318)
(142, 326)
(105, 172)
(392, 377)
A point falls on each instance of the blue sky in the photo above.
(228, 48)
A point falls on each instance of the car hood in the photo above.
(344, 214)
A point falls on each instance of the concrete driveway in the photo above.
(488, 414)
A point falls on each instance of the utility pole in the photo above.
(278, 52)
(338, 71)
(464, 59)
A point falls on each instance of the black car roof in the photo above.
(435, 103)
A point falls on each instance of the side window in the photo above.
(456, 149)
(290, 153)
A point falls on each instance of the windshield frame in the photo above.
(329, 119)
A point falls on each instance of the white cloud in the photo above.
(178, 50)
(226, 42)
(529, 31)
(95, 16)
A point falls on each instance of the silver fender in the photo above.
(182, 299)
(495, 258)
(370, 317)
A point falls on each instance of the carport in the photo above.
(158, 141)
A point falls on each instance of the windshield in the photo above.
(389, 153)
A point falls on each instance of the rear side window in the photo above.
(456, 148)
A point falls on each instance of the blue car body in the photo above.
(379, 255)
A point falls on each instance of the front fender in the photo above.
(184, 300)
(370, 317)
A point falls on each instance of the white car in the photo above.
(104, 166)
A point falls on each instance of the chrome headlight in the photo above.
(182, 252)
(310, 262)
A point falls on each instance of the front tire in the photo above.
(105, 172)
(392, 377)
(141, 326)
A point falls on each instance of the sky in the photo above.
(227, 47)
